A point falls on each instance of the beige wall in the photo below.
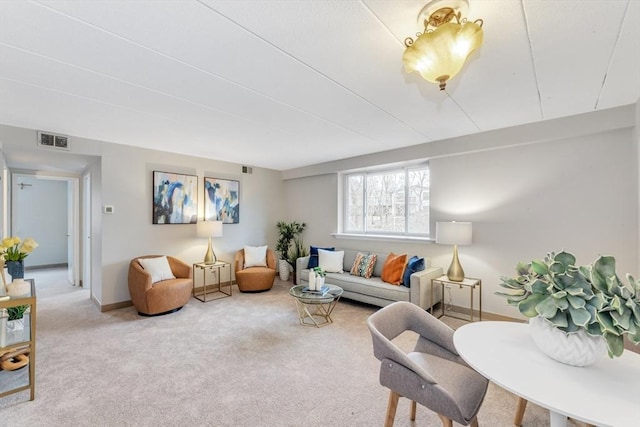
(122, 177)
(567, 183)
(526, 196)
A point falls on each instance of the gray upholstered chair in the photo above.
(433, 374)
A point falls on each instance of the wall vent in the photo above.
(51, 140)
(247, 169)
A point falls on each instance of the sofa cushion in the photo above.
(330, 261)
(393, 268)
(158, 268)
(373, 287)
(313, 256)
(415, 264)
(363, 265)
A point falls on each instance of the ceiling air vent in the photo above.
(51, 140)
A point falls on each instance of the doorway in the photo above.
(47, 209)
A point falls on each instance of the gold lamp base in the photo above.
(455, 272)
(210, 256)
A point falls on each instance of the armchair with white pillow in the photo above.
(159, 284)
(255, 268)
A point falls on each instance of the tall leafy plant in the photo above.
(297, 250)
(288, 231)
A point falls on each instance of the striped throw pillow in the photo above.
(363, 265)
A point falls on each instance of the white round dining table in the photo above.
(605, 394)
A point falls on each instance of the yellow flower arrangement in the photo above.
(15, 249)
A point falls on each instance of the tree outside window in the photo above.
(394, 202)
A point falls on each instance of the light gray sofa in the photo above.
(374, 290)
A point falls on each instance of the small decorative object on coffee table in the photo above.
(315, 306)
(320, 276)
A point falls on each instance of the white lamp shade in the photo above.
(209, 228)
(453, 233)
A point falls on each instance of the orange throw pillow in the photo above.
(393, 268)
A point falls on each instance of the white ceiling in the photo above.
(285, 84)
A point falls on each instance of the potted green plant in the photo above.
(320, 277)
(12, 324)
(17, 312)
(589, 300)
(297, 250)
(288, 231)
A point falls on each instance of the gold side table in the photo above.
(216, 288)
(12, 342)
(467, 282)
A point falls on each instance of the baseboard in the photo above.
(465, 311)
(45, 266)
(115, 306)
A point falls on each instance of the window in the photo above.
(390, 202)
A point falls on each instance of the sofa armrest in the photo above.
(420, 293)
(301, 264)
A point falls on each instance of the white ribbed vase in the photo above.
(283, 269)
(576, 349)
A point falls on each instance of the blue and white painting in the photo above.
(222, 200)
(175, 198)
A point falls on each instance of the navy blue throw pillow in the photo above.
(313, 256)
(414, 264)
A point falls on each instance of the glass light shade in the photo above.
(439, 55)
(453, 233)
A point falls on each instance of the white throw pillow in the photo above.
(158, 268)
(255, 256)
(330, 261)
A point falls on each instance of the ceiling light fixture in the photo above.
(448, 39)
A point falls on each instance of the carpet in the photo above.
(238, 361)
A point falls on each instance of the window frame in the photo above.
(378, 234)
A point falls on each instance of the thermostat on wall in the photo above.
(108, 209)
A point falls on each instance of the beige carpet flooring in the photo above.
(239, 361)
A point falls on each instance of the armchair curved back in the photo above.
(255, 279)
(433, 374)
(239, 260)
(161, 297)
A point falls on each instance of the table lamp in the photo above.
(209, 229)
(454, 233)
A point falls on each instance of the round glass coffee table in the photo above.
(314, 307)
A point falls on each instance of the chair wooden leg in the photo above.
(391, 408)
(522, 405)
(474, 422)
(446, 422)
(413, 410)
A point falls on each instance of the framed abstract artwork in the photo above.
(175, 198)
(222, 200)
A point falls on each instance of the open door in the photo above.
(72, 230)
(86, 231)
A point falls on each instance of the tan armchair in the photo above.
(255, 279)
(162, 297)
